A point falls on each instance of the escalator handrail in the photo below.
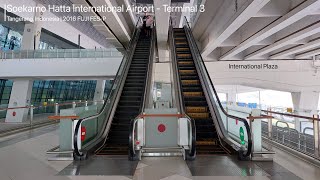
(191, 121)
(133, 121)
(246, 124)
(108, 99)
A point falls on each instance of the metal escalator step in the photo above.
(184, 55)
(193, 94)
(130, 98)
(135, 81)
(191, 88)
(133, 93)
(205, 122)
(195, 103)
(180, 38)
(187, 68)
(207, 142)
(195, 98)
(199, 115)
(182, 49)
(190, 82)
(136, 77)
(128, 108)
(196, 109)
(185, 63)
(181, 43)
(190, 78)
(187, 71)
(129, 84)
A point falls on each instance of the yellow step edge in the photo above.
(193, 94)
(194, 109)
(185, 62)
(184, 55)
(181, 43)
(180, 38)
(206, 143)
(199, 115)
(187, 71)
(181, 49)
(190, 82)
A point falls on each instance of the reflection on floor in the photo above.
(22, 157)
(102, 165)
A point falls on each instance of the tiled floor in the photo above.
(23, 157)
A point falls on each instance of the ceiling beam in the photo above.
(234, 24)
(296, 50)
(297, 36)
(309, 54)
(293, 16)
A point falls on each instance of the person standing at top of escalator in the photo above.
(144, 26)
(149, 25)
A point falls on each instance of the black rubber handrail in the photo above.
(192, 150)
(78, 125)
(246, 124)
(133, 121)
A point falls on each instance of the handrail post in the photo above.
(31, 116)
(270, 126)
(316, 136)
(74, 105)
(56, 109)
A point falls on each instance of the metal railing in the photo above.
(35, 115)
(304, 138)
(221, 116)
(62, 53)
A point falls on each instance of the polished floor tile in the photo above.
(102, 165)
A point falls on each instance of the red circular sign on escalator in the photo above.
(161, 128)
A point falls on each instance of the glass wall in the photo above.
(49, 92)
(45, 45)
(5, 91)
(9, 39)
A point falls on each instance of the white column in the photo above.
(306, 103)
(20, 97)
(22, 89)
(31, 31)
(232, 94)
(98, 94)
(162, 22)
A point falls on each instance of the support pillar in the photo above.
(232, 95)
(306, 104)
(162, 28)
(20, 97)
(32, 33)
(99, 92)
(22, 89)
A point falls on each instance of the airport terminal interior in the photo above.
(159, 89)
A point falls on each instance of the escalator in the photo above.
(110, 128)
(194, 99)
(131, 100)
(216, 131)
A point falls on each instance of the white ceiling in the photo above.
(259, 29)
